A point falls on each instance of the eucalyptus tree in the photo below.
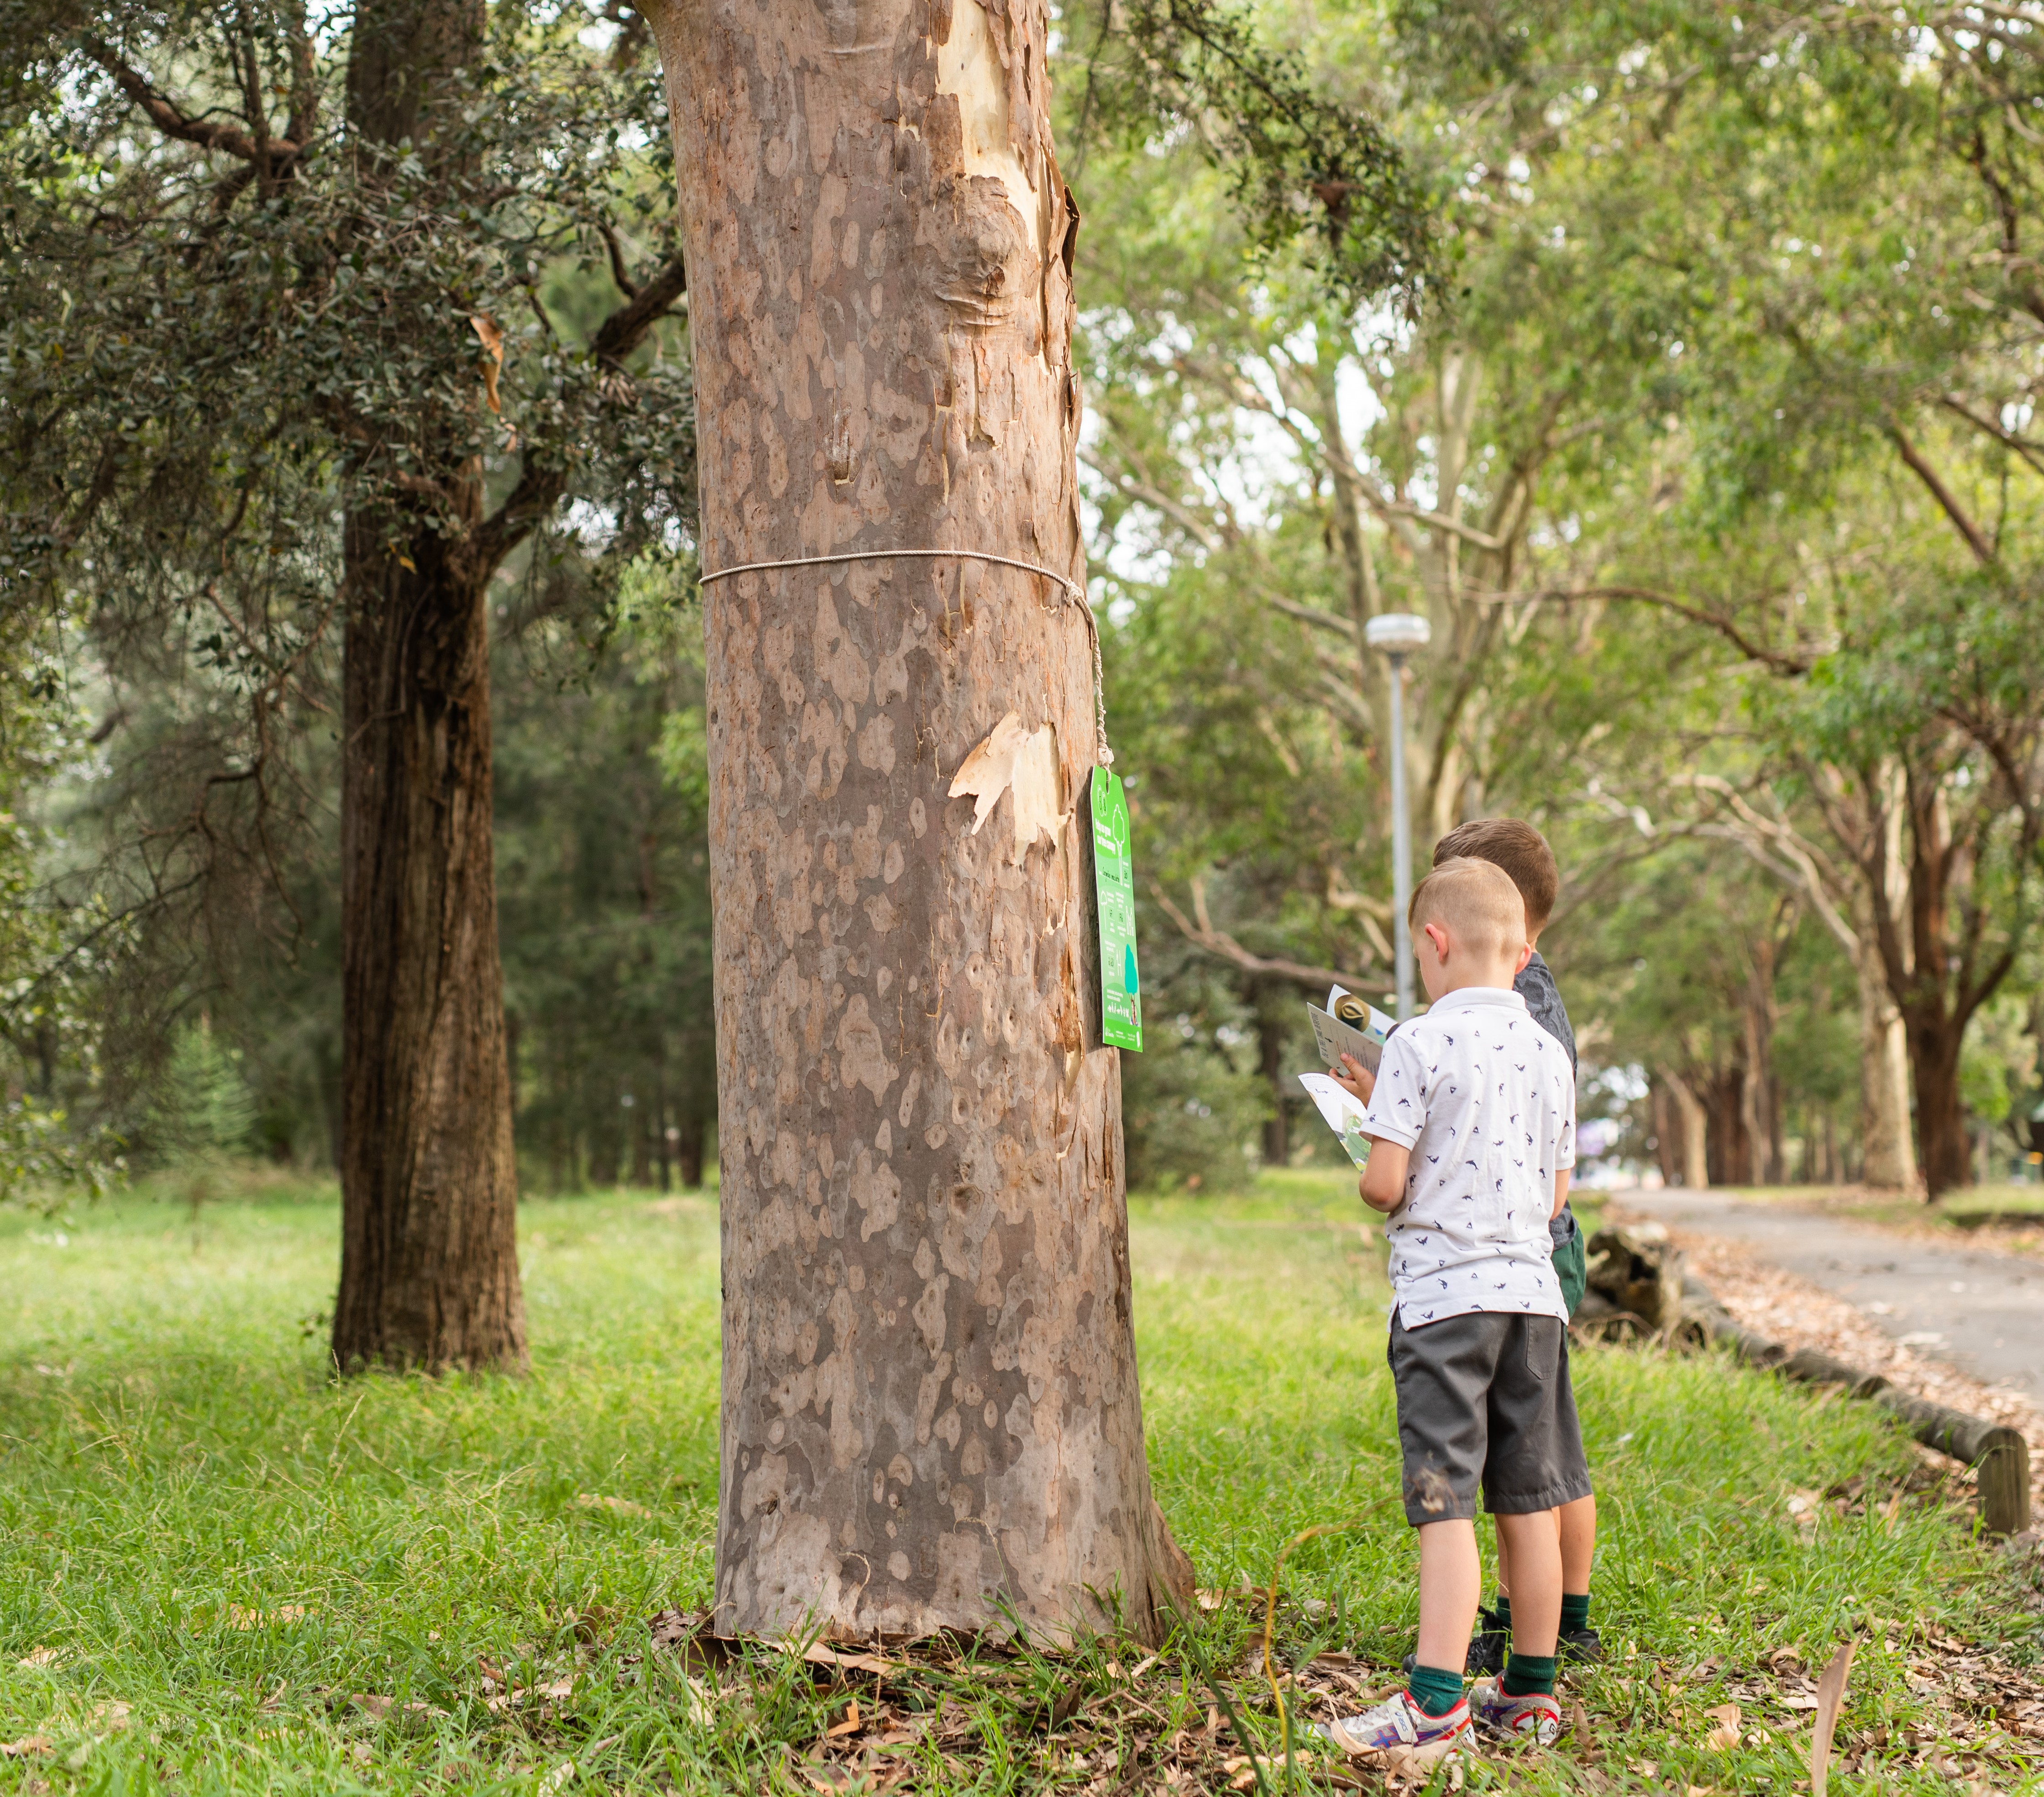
(931, 1414)
(281, 401)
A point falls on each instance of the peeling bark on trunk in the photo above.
(930, 1403)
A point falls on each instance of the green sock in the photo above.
(1434, 1691)
(1575, 1612)
(1502, 1610)
(1526, 1673)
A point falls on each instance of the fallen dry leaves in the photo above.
(238, 1617)
(617, 1506)
(28, 1745)
(1800, 1314)
(1110, 1730)
(1830, 1694)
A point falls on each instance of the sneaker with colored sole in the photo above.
(1397, 1735)
(1535, 1717)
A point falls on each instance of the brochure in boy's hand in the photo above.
(1349, 1025)
(1343, 1111)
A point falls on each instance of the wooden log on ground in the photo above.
(1700, 1303)
(1815, 1368)
(1639, 1269)
(2000, 1455)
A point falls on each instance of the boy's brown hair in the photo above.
(1476, 899)
(1515, 845)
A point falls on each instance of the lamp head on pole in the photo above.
(1398, 632)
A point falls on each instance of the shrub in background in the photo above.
(1189, 1116)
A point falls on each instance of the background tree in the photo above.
(1712, 325)
(47, 961)
(278, 371)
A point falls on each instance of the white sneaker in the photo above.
(1397, 1735)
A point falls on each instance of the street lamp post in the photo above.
(1398, 634)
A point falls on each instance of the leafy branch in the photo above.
(1304, 167)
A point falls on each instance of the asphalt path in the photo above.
(1982, 1311)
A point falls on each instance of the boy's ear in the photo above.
(1525, 955)
(1438, 935)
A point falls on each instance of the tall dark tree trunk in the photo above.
(1730, 1154)
(1270, 1039)
(689, 1149)
(931, 1417)
(1941, 1112)
(429, 1264)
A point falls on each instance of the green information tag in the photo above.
(1114, 888)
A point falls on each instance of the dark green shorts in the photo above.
(1571, 1269)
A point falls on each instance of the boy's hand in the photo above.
(1358, 1081)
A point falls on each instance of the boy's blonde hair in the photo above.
(1476, 899)
(1515, 845)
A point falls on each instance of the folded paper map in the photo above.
(1349, 1025)
(1343, 1112)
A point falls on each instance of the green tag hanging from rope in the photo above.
(1114, 890)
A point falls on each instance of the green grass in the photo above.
(197, 1524)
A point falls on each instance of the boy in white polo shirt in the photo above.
(1472, 1118)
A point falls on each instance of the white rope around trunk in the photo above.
(1073, 590)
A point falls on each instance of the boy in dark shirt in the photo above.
(1523, 852)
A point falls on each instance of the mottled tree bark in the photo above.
(1686, 1144)
(1887, 1149)
(429, 1260)
(930, 1414)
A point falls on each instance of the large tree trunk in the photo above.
(931, 1418)
(1888, 1150)
(1691, 1144)
(1941, 1112)
(430, 1263)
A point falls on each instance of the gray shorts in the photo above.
(1484, 1397)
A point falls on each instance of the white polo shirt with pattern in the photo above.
(1485, 1100)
